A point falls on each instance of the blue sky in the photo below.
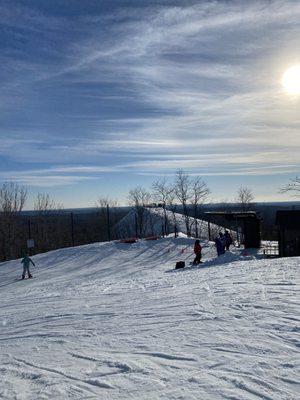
(98, 97)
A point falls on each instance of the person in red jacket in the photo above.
(197, 251)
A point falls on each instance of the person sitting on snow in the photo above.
(26, 262)
(228, 239)
(197, 251)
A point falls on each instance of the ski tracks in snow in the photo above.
(106, 321)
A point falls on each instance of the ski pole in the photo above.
(185, 248)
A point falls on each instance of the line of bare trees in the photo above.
(184, 192)
(16, 228)
(49, 225)
(12, 201)
(186, 195)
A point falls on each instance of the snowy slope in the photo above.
(115, 321)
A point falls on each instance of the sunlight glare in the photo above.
(291, 80)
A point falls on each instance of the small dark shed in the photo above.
(288, 223)
(246, 223)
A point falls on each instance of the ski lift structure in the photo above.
(246, 224)
(288, 225)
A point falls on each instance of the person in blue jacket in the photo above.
(220, 245)
(26, 263)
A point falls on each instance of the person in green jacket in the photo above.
(26, 262)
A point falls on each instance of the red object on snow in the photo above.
(130, 240)
(152, 238)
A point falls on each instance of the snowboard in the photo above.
(192, 264)
(25, 279)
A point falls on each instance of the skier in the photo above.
(228, 239)
(197, 251)
(26, 262)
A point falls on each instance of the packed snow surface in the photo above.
(116, 321)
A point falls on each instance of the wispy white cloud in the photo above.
(46, 181)
(141, 90)
(209, 165)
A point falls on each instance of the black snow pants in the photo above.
(197, 259)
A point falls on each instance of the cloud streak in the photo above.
(147, 89)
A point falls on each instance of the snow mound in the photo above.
(232, 256)
(106, 321)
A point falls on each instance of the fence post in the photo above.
(237, 232)
(72, 229)
(29, 236)
(136, 225)
(29, 229)
(165, 219)
(108, 223)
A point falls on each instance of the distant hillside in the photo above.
(207, 207)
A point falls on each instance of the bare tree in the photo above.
(245, 198)
(162, 193)
(12, 198)
(293, 187)
(12, 201)
(183, 191)
(108, 216)
(200, 192)
(139, 198)
(49, 229)
(104, 201)
(44, 204)
(172, 206)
